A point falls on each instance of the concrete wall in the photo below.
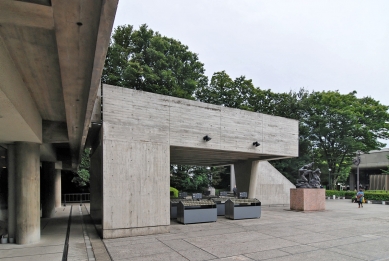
(183, 123)
(379, 182)
(136, 168)
(269, 185)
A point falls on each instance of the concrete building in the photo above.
(51, 58)
(370, 170)
(140, 134)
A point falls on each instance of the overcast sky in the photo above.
(280, 45)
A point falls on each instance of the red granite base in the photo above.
(307, 199)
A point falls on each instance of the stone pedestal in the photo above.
(307, 199)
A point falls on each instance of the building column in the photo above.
(243, 175)
(232, 177)
(11, 191)
(352, 181)
(27, 190)
(254, 179)
(48, 179)
(57, 188)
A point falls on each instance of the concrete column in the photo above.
(243, 175)
(57, 188)
(27, 189)
(254, 179)
(352, 181)
(11, 191)
(232, 177)
(48, 179)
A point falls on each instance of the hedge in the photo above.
(369, 195)
(376, 196)
(339, 193)
(175, 192)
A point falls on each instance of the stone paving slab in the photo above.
(53, 235)
(341, 232)
(267, 254)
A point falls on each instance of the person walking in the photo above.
(360, 195)
(235, 190)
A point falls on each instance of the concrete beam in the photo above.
(26, 14)
(54, 132)
(82, 41)
(48, 152)
(107, 17)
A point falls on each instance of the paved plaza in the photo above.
(342, 232)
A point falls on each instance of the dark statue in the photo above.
(308, 178)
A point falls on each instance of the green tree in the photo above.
(81, 177)
(338, 125)
(222, 90)
(194, 178)
(145, 60)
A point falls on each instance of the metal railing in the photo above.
(75, 197)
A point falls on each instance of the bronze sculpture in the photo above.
(313, 180)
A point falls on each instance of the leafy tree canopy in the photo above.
(145, 60)
(339, 125)
(194, 178)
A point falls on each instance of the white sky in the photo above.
(280, 45)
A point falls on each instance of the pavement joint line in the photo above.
(170, 248)
(90, 253)
(102, 241)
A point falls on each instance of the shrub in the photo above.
(337, 193)
(376, 196)
(174, 191)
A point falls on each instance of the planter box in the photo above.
(243, 208)
(189, 212)
(220, 205)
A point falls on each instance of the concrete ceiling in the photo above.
(54, 51)
(210, 157)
